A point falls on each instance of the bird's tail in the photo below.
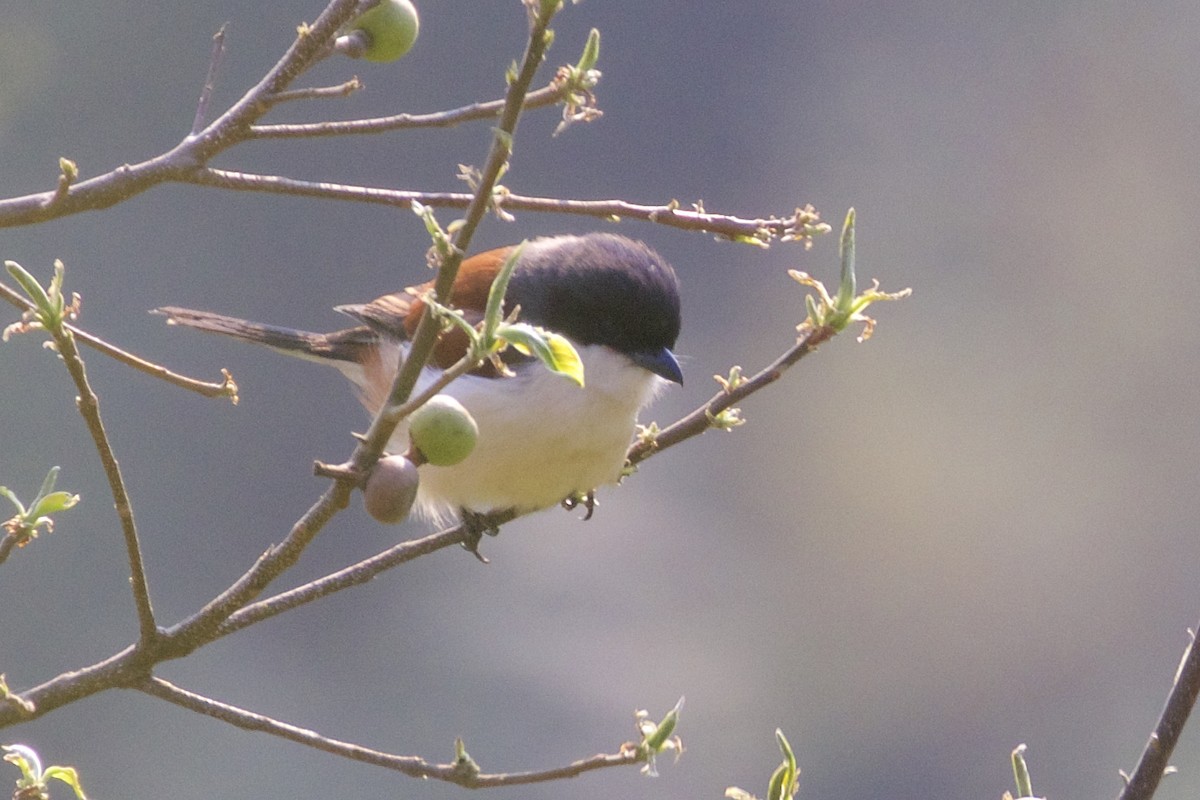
(340, 346)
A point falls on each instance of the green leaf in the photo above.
(453, 316)
(1021, 773)
(48, 483)
(55, 290)
(494, 313)
(658, 738)
(784, 781)
(30, 285)
(848, 288)
(591, 52)
(12, 498)
(27, 760)
(69, 776)
(52, 504)
(553, 350)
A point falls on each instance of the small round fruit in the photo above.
(391, 489)
(391, 28)
(443, 431)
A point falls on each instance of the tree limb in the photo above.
(461, 772)
(1153, 763)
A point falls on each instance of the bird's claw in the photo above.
(475, 525)
(588, 501)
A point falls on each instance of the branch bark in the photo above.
(1153, 764)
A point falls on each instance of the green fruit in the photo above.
(443, 431)
(391, 489)
(391, 28)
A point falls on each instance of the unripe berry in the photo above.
(391, 489)
(390, 27)
(443, 431)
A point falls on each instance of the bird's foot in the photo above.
(475, 525)
(588, 501)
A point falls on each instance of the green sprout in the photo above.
(33, 781)
(24, 526)
(578, 81)
(50, 309)
(464, 765)
(785, 780)
(657, 737)
(848, 306)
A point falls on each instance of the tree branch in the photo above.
(227, 388)
(89, 409)
(461, 772)
(702, 419)
(556, 91)
(1153, 763)
(800, 225)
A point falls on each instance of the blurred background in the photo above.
(976, 530)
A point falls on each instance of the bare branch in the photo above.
(1153, 763)
(701, 420)
(548, 95)
(317, 93)
(353, 575)
(89, 408)
(196, 149)
(227, 388)
(7, 543)
(463, 773)
(210, 81)
(796, 227)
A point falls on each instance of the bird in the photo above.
(543, 439)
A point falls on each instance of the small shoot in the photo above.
(578, 81)
(836, 313)
(730, 418)
(658, 737)
(785, 780)
(34, 780)
(443, 246)
(1021, 772)
(464, 765)
(804, 225)
(50, 309)
(24, 527)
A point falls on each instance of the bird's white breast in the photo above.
(542, 437)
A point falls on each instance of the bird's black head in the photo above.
(602, 289)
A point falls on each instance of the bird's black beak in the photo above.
(661, 362)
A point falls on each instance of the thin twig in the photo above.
(89, 408)
(463, 773)
(1153, 763)
(195, 150)
(210, 80)
(317, 93)
(227, 388)
(7, 543)
(548, 95)
(762, 230)
(353, 575)
(701, 419)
